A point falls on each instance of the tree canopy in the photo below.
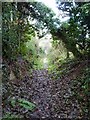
(45, 59)
(71, 33)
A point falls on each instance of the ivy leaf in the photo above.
(26, 104)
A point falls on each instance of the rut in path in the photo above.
(53, 97)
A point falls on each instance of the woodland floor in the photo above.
(53, 98)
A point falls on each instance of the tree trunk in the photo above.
(67, 54)
(70, 45)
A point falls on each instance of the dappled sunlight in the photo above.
(45, 44)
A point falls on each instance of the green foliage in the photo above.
(86, 82)
(23, 103)
(73, 28)
(77, 27)
(73, 33)
(26, 104)
(14, 31)
(57, 54)
(63, 67)
(34, 53)
(81, 89)
(10, 116)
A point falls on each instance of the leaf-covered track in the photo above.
(53, 98)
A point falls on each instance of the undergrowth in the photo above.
(82, 90)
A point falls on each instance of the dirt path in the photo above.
(53, 98)
(42, 93)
